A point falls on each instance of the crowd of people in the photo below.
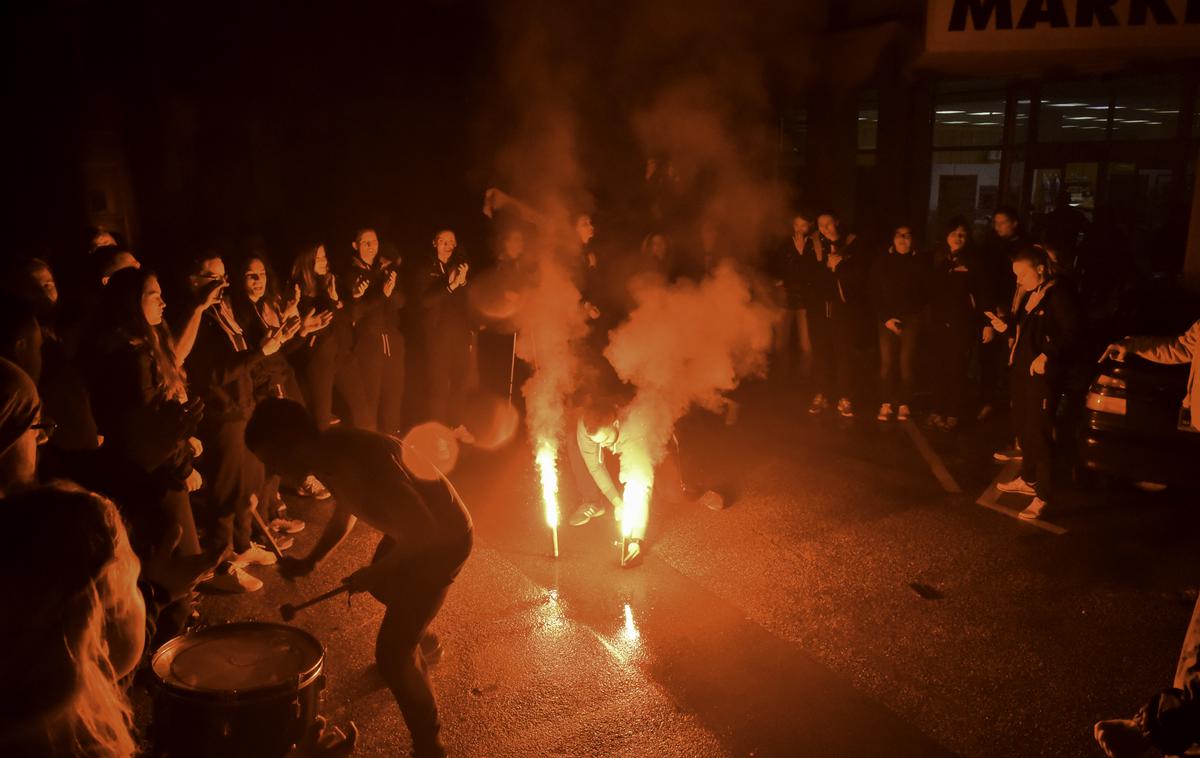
(191, 402)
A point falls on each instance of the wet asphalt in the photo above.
(845, 604)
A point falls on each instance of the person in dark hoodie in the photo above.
(444, 324)
(955, 324)
(220, 368)
(832, 319)
(1046, 322)
(897, 285)
(1005, 238)
(379, 345)
(792, 266)
(260, 308)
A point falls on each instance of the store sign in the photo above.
(1026, 25)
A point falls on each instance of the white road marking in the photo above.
(991, 499)
(932, 459)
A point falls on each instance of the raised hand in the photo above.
(314, 322)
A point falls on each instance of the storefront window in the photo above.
(868, 121)
(1196, 115)
(968, 121)
(1073, 112)
(793, 141)
(964, 183)
(1020, 131)
(1146, 109)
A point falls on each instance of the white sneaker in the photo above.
(230, 579)
(256, 555)
(1034, 509)
(1018, 485)
(903, 413)
(585, 513)
(885, 412)
(287, 525)
(312, 487)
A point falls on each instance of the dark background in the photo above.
(274, 124)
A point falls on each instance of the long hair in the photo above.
(244, 310)
(123, 317)
(61, 694)
(304, 273)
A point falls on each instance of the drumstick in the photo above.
(289, 611)
(262, 525)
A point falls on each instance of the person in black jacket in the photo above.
(327, 365)
(1004, 239)
(832, 317)
(793, 269)
(220, 366)
(444, 326)
(1045, 322)
(955, 324)
(898, 288)
(143, 408)
(261, 309)
(375, 303)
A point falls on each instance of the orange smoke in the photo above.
(684, 345)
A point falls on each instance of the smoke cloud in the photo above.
(685, 345)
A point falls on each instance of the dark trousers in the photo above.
(993, 362)
(496, 365)
(391, 399)
(793, 346)
(448, 356)
(369, 358)
(412, 601)
(951, 345)
(1033, 417)
(898, 361)
(316, 375)
(230, 477)
(833, 353)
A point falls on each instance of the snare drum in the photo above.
(248, 689)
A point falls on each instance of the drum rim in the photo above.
(300, 681)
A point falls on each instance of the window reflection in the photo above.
(968, 121)
(1073, 112)
(1146, 109)
(868, 121)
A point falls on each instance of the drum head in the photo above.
(239, 658)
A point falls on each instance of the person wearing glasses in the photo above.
(21, 428)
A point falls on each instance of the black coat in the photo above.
(1050, 327)
(898, 286)
(796, 269)
(221, 374)
(957, 292)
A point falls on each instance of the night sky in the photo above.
(289, 122)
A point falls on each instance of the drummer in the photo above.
(427, 537)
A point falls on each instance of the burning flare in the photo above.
(547, 465)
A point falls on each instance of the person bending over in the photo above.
(427, 536)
